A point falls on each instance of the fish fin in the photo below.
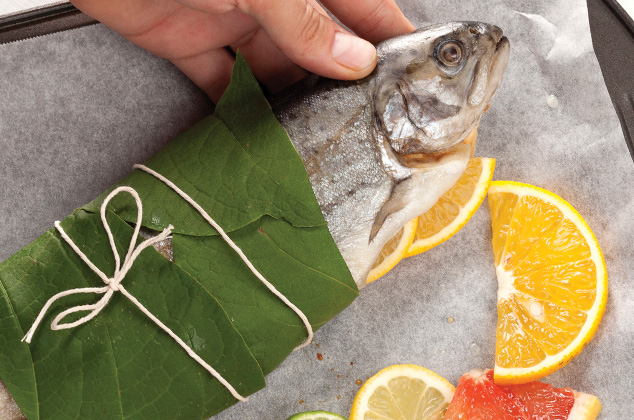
(394, 204)
(404, 191)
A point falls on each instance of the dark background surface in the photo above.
(615, 51)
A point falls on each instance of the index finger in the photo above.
(374, 20)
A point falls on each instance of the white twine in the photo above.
(235, 247)
(113, 284)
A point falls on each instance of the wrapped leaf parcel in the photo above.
(240, 166)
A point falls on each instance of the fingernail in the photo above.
(353, 52)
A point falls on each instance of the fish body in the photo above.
(382, 150)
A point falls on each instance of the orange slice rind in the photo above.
(393, 251)
(455, 208)
(552, 281)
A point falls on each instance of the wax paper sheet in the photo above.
(79, 108)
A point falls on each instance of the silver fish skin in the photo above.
(382, 150)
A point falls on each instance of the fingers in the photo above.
(269, 65)
(312, 40)
(209, 70)
(169, 29)
(374, 20)
(187, 32)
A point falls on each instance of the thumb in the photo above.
(311, 39)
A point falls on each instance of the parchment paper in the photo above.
(78, 108)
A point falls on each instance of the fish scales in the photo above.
(339, 163)
(382, 150)
(329, 124)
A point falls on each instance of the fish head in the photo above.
(433, 85)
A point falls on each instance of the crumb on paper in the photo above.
(552, 101)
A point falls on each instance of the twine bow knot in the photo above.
(113, 284)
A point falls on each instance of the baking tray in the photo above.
(80, 107)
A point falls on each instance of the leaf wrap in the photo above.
(240, 166)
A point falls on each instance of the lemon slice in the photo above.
(403, 392)
(394, 250)
(552, 281)
(316, 415)
(454, 209)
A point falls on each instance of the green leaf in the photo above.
(238, 164)
(260, 133)
(300, 263)
(241, 167)
(120, 364)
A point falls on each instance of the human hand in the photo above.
(280, 39)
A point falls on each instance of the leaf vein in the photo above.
(116, 370)
(15, 317)
(321, 273)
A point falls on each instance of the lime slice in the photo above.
(316, 415)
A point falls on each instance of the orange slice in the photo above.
(394, 250)
(454, 209)
(403, 392)
(552, 281)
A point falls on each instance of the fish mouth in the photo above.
(500, 60)
(502, 44)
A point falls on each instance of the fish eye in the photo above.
(450, 53)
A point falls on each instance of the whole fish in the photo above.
(382, 150)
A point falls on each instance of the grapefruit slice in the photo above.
(477, 397)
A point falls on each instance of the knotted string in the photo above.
(238, 251)
(113, 284)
